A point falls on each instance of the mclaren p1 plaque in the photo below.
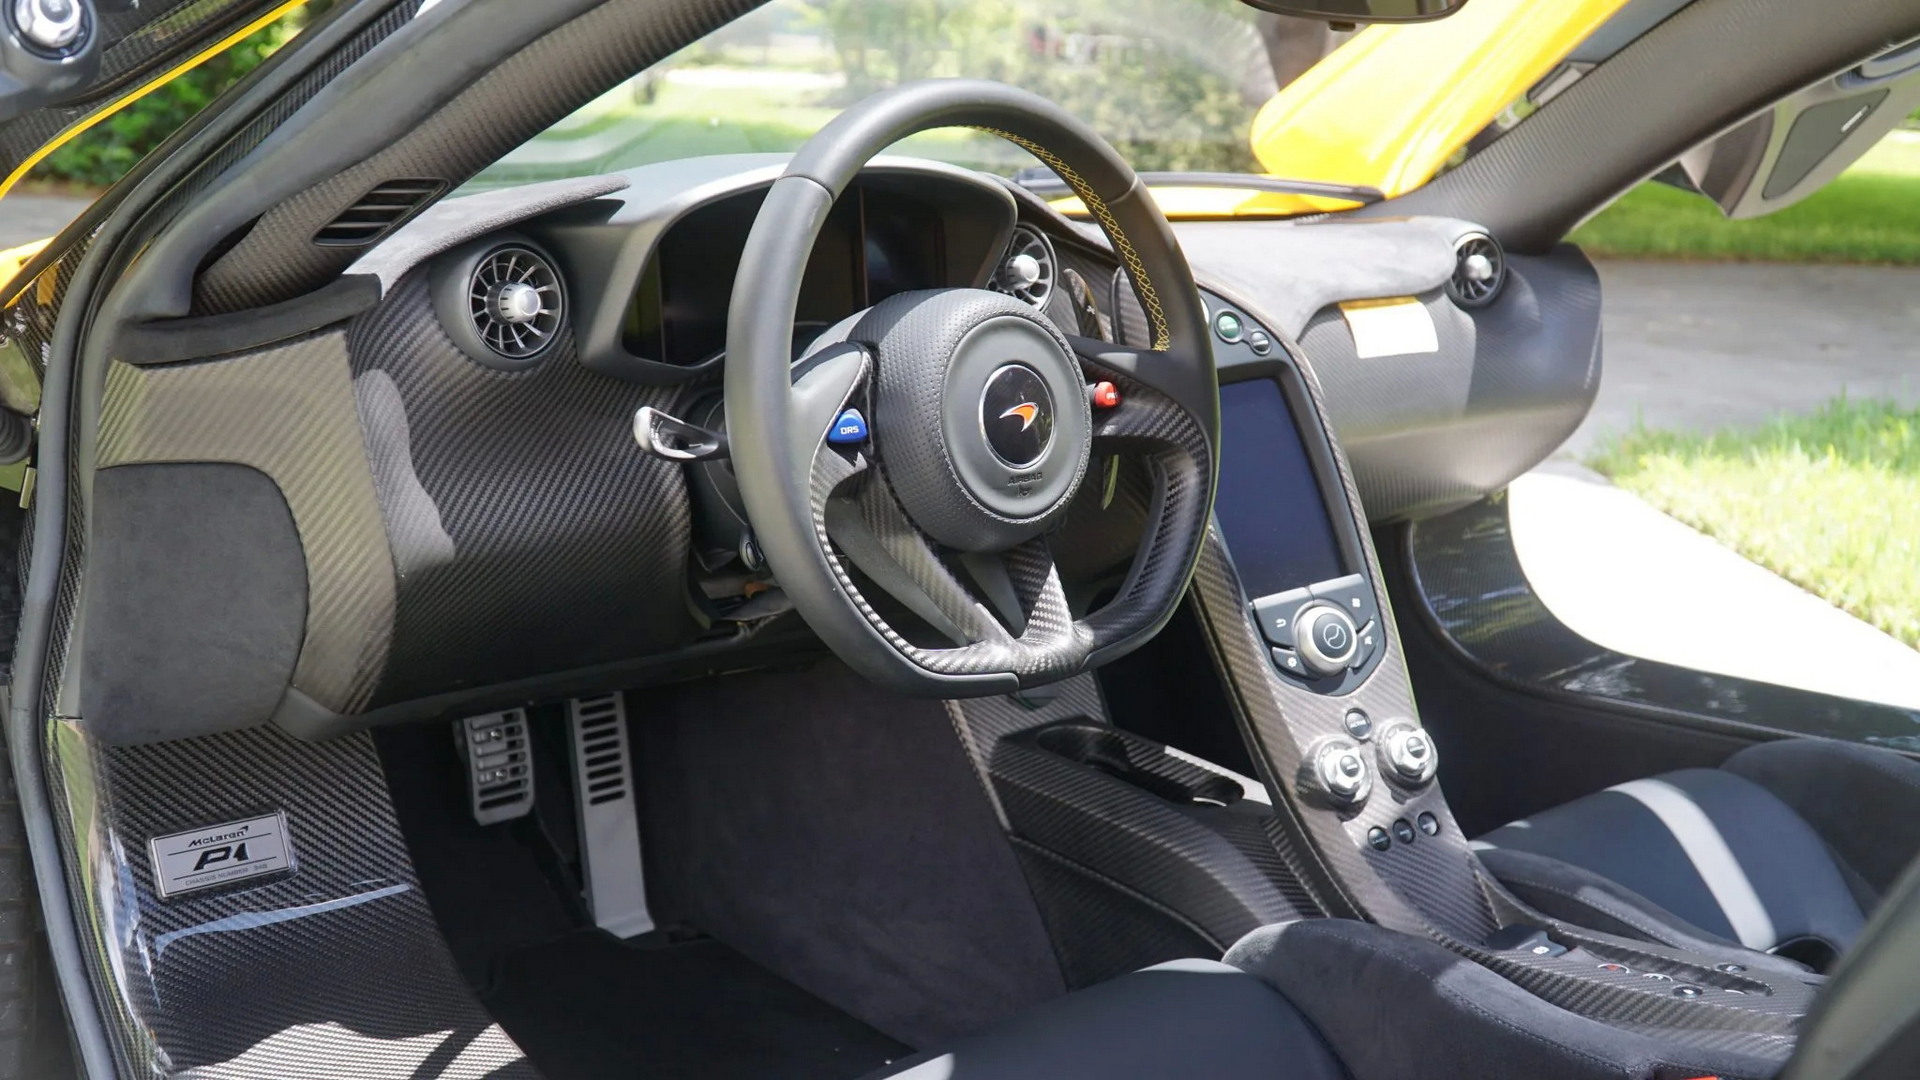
(236, 851)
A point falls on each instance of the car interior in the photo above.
(842, 613)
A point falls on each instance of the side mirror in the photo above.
(1361, 11)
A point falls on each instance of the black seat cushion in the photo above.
(1784, 848)
(1180, 1019)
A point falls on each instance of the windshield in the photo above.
(1173, 84)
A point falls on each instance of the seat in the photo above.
(1786, 848)
(1183, 1018)
(1321, 999)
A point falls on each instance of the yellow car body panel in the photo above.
(1389, 107)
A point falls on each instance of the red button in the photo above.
(1104, 395)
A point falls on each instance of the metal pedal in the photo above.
(609, 824)
(499, 764)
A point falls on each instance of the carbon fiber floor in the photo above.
(590, 1006)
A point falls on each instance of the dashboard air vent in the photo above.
(516, 301)
(1029, 268)
(1479, 270)
(378, 212)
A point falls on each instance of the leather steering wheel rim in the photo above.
(815, 508)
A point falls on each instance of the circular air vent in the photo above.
(1479, 270)
(516, 301)
(1029, 269)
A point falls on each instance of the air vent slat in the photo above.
(378, 212)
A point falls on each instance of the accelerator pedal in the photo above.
(609, 824)
(499, 761)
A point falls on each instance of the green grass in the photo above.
(1869, 214)
(1828, 500)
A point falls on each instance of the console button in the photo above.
(1259, 342)
(1403, 831)
(1276, 613)
(1685, 990)
(1326, 638)
(1288, 661)
(1368, 638)
(1428, 823)
(1656, 976)
(1358, 724)
(849, 429)
(1350, 594)
(1378, 839)
(1229, 327)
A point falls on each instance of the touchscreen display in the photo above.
(1269, 504)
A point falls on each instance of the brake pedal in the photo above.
(499, 764)
(609, 822)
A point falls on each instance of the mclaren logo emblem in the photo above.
(1016, 415)
(1027, 411)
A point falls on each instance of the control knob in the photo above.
(50, 25)
(1342, 771)
(1407, 751)
(1326, 639)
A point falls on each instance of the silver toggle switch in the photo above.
(1407, 750)
(1343, 772)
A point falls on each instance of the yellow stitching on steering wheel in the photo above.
(1150, 300)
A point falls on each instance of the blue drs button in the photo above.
(850, 428)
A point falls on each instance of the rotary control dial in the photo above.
(1406, 750)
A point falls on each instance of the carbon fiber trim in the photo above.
(1100, 929)
(289, 412)
(1209, 867)
(504, 107)
(336, 970)
(535, 537)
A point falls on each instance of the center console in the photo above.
(1307, 647)
(1345, 816)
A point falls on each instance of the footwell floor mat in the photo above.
(588, 1006)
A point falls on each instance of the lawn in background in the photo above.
(1829, 500)
(1868, 214)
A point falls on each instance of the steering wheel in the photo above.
(980, 426)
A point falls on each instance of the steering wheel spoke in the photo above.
(873, 532)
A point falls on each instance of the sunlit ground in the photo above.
(1828, 500)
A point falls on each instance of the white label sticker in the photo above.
(1396, 327)
(220, 854)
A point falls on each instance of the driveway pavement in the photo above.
(1700, 346)
(25, 218)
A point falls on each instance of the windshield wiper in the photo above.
(1047, 184)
